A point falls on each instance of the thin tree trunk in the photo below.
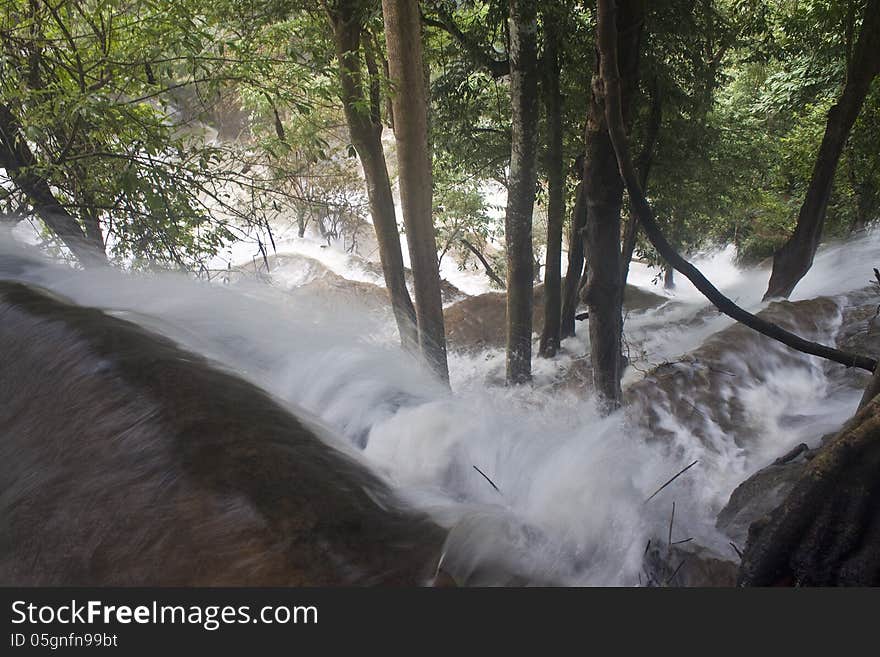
(794, 259)
(604, 193)
(611, 82)
(571, 286)
(18, 160)
(346, 20)
(550, 336)
(403, 39)
(644, 162)
(521, 189)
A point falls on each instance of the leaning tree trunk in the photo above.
(550, 336)
(366, 137)
(19, 161)
(521, 189)
(794, 259)
(410, 103)
(604, 194)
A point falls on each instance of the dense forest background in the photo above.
(152, 133)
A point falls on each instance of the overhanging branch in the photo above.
(607, 43)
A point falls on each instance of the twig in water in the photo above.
(687, 540)
(737, 550)
(486, 477)
(671, 520)
(667, 483)
(648, 546)
(713, 369)
(696, 410)
(675, 572)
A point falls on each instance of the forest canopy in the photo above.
(113, 98)
(152, 133)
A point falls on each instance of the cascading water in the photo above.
(560, 490)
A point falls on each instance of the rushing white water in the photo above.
(570, 504)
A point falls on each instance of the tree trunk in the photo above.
(550, 336)
(346, 19)
(403, 39)
(827, 531)
(521, 189)
(571, 286)
(644, 161)
(18, 160)
(794, 259)
(604, 194)
(871, 390)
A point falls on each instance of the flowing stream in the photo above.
(534, 474)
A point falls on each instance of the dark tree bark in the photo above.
(867, 197)
(669, 278)
(479, 54)
(521, 188)
(16, 157)
(346, 19)
(604, 193)
(644, 161)
(571, 285)
(610, 86)
(403, 39)
(794, 259)
(550, 336)
(827, 531)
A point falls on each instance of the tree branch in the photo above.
(496, 68)
(489, 271)
(607, 44)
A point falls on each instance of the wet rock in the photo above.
(294, 270)
(480, 322)
(287, 269)
(636, 298)
(449, 292)
(704, 390)
(687, 564)
(757, 496)
(338, 291)
(826, 531)
(859, 333)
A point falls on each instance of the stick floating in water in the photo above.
(668, 482)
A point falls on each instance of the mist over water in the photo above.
(570, 505)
